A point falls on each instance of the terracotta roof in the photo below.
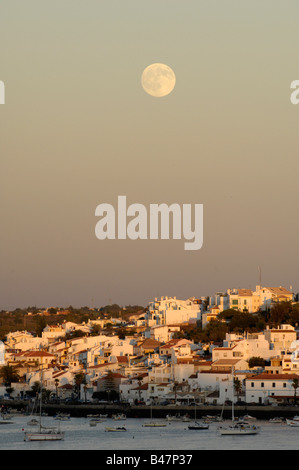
(185, 361)
(150, 343)
(66, 386)
(213, 371)
(170, 343)
(245, 292)
(35, 354)
(114, 375)
(283, 331)
(142, 387)
(123, 359)
(225, 361)
(275, 377)
(278, 290)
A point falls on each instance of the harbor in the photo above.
(175, 436)
(159, 411)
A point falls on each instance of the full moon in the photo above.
(158, 80)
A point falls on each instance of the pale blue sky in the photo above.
(77, 130)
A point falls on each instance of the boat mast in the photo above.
(233, 417)
(40, 401)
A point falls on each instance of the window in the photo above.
(235, 301)
(273, 384)
(252, 384)
(262, 384)
(284, 385)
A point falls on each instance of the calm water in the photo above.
(79, 435)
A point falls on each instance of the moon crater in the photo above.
(158, 80)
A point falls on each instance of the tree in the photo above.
(110, 386)
(78, 380)
(280, 312)
(237, 387)
(40, 325)
(256, 361)
(56, 386)
(9, 374)
(295, 385)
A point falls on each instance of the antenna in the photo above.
(260, 276)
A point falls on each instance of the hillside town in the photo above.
(153, 361)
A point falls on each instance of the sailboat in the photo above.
(292, 422)
(197, 426)
(115, 429)
(153, 424)
(4, 419)
(237, 429)
(43, 433)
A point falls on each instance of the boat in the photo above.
(119, 416)
(249, 418)
(293, 423)
(62, 416)
(154, 424)
(33, 422)
(237, 428)
(197, 426)
(97, 416)
(115, 429)
(44, 433)
(173, 418)
(295, 418)
(186, 419)
(5, 419)
(94, 421)
(211, 419)
(276, 420)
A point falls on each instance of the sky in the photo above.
(77, 130)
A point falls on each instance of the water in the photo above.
(79, 435)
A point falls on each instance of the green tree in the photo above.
(79, 379)
(237, 387)
(295, 385)
(255, 361)
(280, 313)
(56, 381)
(9, 374)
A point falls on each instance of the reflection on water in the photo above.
(80, 435)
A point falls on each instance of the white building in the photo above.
(247, 300)
(281, 338)
(24, 341)
(163, 333)
(170, 311)
(270, 388)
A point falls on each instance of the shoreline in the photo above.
(158, 411)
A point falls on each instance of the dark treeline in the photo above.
(238, 322)
(34, 319)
